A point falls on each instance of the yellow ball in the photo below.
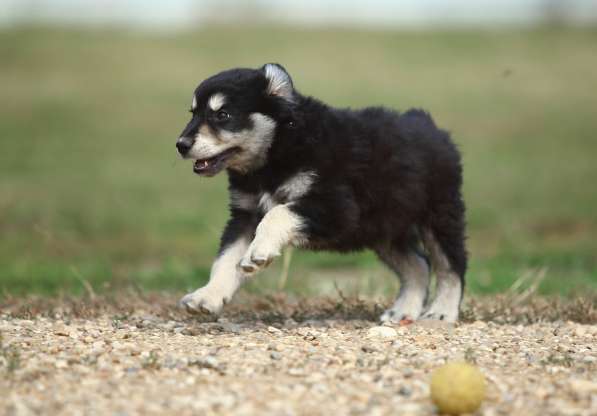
(457, 388)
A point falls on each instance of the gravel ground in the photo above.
(273, 355)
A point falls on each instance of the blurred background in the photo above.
(93, 95)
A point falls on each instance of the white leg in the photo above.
(278, 228)
(224, 281)
(447, 300)
(446, 305)
(414, 282)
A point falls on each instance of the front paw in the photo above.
(203, 301)
(258, 256)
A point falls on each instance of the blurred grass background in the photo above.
(92, 190)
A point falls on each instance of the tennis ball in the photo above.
(457, 388)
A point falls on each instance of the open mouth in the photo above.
(211, 166)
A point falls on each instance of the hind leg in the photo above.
(413, 271)
(448, 259)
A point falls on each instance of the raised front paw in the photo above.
(258, 256)
(203, 301)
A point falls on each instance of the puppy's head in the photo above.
(234, 119)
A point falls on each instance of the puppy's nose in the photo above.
(184, 144)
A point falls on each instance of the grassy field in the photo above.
(91, 189)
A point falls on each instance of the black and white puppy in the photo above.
(305, 174)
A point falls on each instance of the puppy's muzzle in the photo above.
(184, 144)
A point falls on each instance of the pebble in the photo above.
(580, 331)
(296, 372)
(62, 331)
(206, 362)
(583, 386)
(273, 330)
(384, 332)
(231, 327)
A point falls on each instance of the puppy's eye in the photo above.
(222, 115)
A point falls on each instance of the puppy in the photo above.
(305, 174)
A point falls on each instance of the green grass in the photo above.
(91, 187)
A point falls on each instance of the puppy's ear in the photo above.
(279, 82)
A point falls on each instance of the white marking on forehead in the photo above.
(194, 103)
(296, 186)
(216, 101)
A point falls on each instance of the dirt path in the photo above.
(277, 357)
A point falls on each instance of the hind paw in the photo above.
(440, 314)
(397, 315)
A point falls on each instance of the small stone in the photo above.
(384, 332)
(191, 331)
(231, 327)
(98, 345)
(273, 330)
(290, 323)
(132, 370)
(580, 331)
(309, 337)
(411, 409)
(62, 331)
(169, 362)
(407, 372)
(275, 355)
(404, 391)
(206, 362)
(118, 345)
(275, 347)
(368, 349)
(583, 386)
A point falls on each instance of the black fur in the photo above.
(384, 178)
